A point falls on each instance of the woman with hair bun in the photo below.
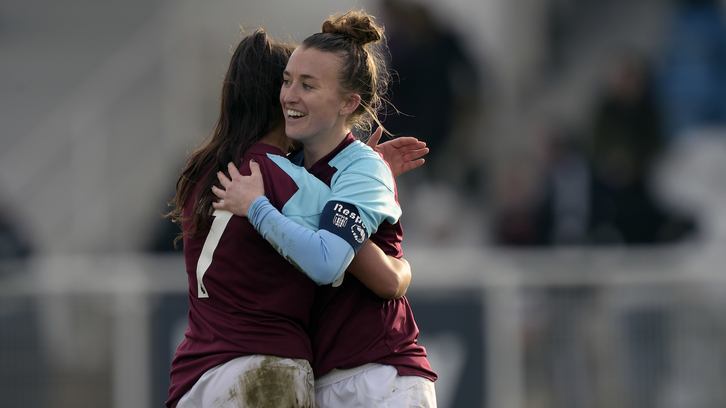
(365, 351)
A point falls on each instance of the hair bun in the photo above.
(356, 25)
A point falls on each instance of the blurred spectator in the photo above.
(626, 134)
(575, 207)
(22, 372)
(165, 232)
(435, 83)
(627, 139)
(13, 242)
(574, 200)
(692, 73)
(515, 195)
(565, 205)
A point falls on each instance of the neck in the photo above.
(313, 152)
(276, 137)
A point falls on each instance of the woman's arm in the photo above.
(322, 255)
(387, 276)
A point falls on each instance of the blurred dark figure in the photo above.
(575, 200)
(164, 232)
(626, 135)
(515, 199)
(692, 72)
(627, 139)
(575, 207)
(566, 204)
(435, 82)
(22, 370)
(13, 242)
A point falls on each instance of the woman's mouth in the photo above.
(291, 113)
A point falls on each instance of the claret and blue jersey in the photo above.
(350, 325)
(362, 196)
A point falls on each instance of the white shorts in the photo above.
(254, 381)
(373, 386)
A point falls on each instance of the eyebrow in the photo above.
(303, 76)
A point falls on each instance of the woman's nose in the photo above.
(288, 94)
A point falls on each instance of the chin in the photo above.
(296, 136)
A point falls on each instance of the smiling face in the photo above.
(315, 106)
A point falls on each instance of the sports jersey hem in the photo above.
(410, 365)
(408, 371)
(338, 375)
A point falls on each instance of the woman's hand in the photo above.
(402, 153)
(240, 191)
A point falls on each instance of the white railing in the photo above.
(96, 315)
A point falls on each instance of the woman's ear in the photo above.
(351, 104)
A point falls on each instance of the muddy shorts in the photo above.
(255, 381)
(373, 386)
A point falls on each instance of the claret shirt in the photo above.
(350, 325)
(244, 298)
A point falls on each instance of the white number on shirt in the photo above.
(221, 219)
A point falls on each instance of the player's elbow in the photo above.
(325, 273)
(326, 276)
(389, 293)
(393, 289)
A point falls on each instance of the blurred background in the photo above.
(565, 233)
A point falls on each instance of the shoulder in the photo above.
(306, 193)
(297, 173)
(357, 150)
(361, 159)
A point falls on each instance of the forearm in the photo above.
(321, 255)
(387, 276)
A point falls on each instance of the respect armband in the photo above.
(343, 220)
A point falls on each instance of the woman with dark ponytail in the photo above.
(364, 346)
(247, 343)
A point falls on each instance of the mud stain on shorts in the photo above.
(271, 385)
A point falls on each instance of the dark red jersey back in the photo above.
(258, 302)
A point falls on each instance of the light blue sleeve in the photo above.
(321, 255)
(364, 180)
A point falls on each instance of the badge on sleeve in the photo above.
(343, 220)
